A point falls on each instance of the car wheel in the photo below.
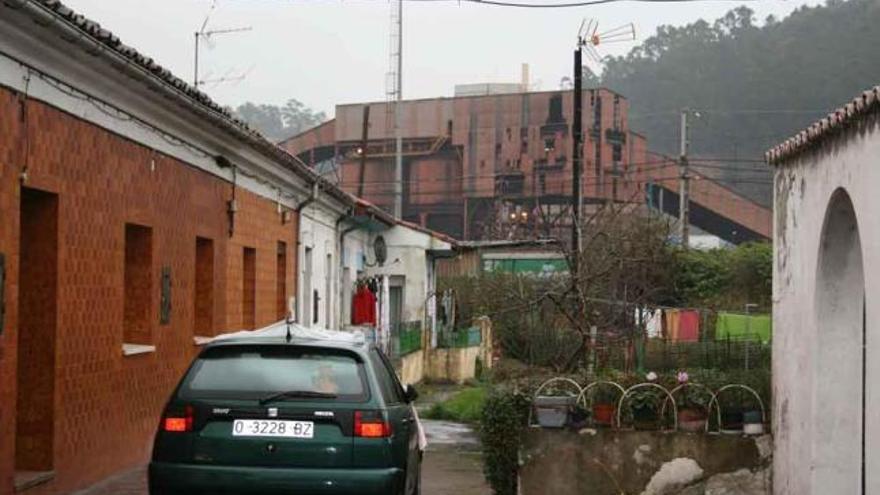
(418, 489)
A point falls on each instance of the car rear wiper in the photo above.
(299, 394)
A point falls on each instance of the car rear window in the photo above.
(249, 372)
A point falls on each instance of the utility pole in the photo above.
(363, 150)
(577, 193)
(684, 207)
(398, 132)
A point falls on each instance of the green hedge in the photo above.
(502, 426)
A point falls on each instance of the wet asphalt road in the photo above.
(452, 465)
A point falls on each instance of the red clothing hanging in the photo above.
(363, 307)
(689, 326)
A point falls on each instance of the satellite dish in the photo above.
(380, 250)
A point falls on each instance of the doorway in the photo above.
(249, 289)
(307, 288)
(328, 291)
(839, 386)
(37, 316)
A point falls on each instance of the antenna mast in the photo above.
(204, 33)
(393, 98)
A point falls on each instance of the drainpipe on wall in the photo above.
(299, 234)
(340, 286)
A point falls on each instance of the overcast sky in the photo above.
(325, 52)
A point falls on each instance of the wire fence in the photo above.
(406, 338)
(746, 352)
(459, 338)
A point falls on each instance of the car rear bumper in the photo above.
(174, 479)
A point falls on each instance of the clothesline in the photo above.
(660, 306)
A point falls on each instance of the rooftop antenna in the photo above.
(590, 38)
(228, 77)
(207, 34)
(393, 99)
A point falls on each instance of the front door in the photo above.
(37, 313)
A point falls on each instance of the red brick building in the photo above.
(135, 217)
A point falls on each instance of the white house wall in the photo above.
(408, 257)
(803, 189)
(318, 231)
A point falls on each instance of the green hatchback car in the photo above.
(264, 415)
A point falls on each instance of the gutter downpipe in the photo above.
(340, 287)
(313, 196)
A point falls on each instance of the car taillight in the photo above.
(371, 425)
(179, 423)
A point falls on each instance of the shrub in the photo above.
(502, 426)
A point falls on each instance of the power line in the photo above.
(634, 168)
(562, 187)
(562, 5)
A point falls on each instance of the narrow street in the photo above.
(453, 461)
(452, 465)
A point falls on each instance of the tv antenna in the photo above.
(208, 36)
(228, 77)
(590, 38)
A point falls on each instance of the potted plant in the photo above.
(693, 409)
(645, 406)
(553, 411)
(731, 416)
(605, 399)
(753, 422)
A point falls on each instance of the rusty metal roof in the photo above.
(855, 111)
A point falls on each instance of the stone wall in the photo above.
(602, 462)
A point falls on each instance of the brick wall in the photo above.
(107, 406)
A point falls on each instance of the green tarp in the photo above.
(744, 327)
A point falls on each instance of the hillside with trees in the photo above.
(753, 83)
(279, 122)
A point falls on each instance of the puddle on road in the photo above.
(448, 433)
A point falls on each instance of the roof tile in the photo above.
(861, 106)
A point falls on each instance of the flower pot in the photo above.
(753, 423)
(731, 421)
(692, 420)
(644, 418)
(553, 412)
(603, 414)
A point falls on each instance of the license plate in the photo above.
(272, 428)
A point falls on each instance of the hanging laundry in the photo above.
(671, 319)
(689, 326)
(735, 326)
(363, 307)
(652, 322)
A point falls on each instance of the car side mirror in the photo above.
(411, 394)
